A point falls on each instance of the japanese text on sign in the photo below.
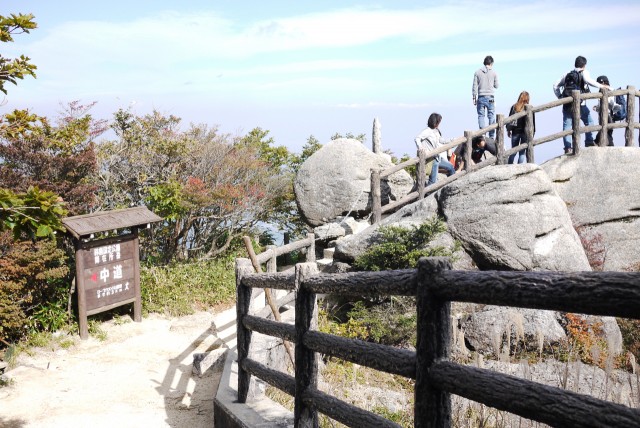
(108, 253)
(114, 289)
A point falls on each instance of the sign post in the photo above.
(108, 276)
(108, 269)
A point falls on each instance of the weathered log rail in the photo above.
(502, 155)
(435, 286)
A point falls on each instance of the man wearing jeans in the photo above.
(485, 82)
(561, 89)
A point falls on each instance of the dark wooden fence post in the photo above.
(603, 117)
(631, 112)
(432, 406)
(529, 130)
(376, 196)
(575, 114)
(243, 303)
(306, 360)
(500, 140)
(421, 173)
(467, 151)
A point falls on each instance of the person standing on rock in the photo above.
(516, 130)
(485, 82)
(431, 139)
(577, 79)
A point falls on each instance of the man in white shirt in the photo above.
(563, 87)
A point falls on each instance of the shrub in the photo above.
(400, 248)
(35, 282)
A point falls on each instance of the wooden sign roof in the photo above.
(83, 225)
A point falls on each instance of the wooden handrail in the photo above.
(630, 125)
(435, 286)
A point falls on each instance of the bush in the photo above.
(391, 321)
(35, 282)
(401, 248)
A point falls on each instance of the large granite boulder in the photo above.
(509, 217)
(602, 201)
(336, 180)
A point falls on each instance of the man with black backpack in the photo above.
(577, 79)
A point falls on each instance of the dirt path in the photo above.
(140, 376)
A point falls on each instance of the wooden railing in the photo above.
(502, 155)
(435, 286)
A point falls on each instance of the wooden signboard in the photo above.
(108, 276)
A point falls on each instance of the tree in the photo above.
(16, 68)
(210, 188)
(56, 158)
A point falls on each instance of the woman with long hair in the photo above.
(431, 139)
(516, 130)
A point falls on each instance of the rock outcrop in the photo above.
(509, 217)
(608, 217)
(336, 180)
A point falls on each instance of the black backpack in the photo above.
(573, 82)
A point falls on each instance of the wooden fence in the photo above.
(502, 155)
(435, 286)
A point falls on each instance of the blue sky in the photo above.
(316, 68)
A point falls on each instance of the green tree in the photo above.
(12, 69)
(310, 147)
(211, 188)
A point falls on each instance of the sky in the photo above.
(316, 68)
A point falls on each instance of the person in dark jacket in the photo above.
(516, 130)
(479, 145)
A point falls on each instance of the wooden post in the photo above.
(272, 265)
(421, 173)
(467, 151)
(500, 140)
(631, 112)
(603, 117)
(306, 370)
(311, 249)
(80, 289)
(529, 130)
(376, 196)
(432, 406)
(243, 302)
(575, 114)
(137, 304)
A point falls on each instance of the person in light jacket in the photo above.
(485, 82)
(431, 139)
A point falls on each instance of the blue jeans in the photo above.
(516, 140)
(567, 123)
(440, 163)
(486, 103)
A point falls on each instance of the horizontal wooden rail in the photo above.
(595, 293)
(380, 357)
(280, 380)
(343, 412)
(278, 280)
(270, 328)
(397, 282)
(278, 251)
(554, 406)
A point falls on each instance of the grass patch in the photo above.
(182, 288)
